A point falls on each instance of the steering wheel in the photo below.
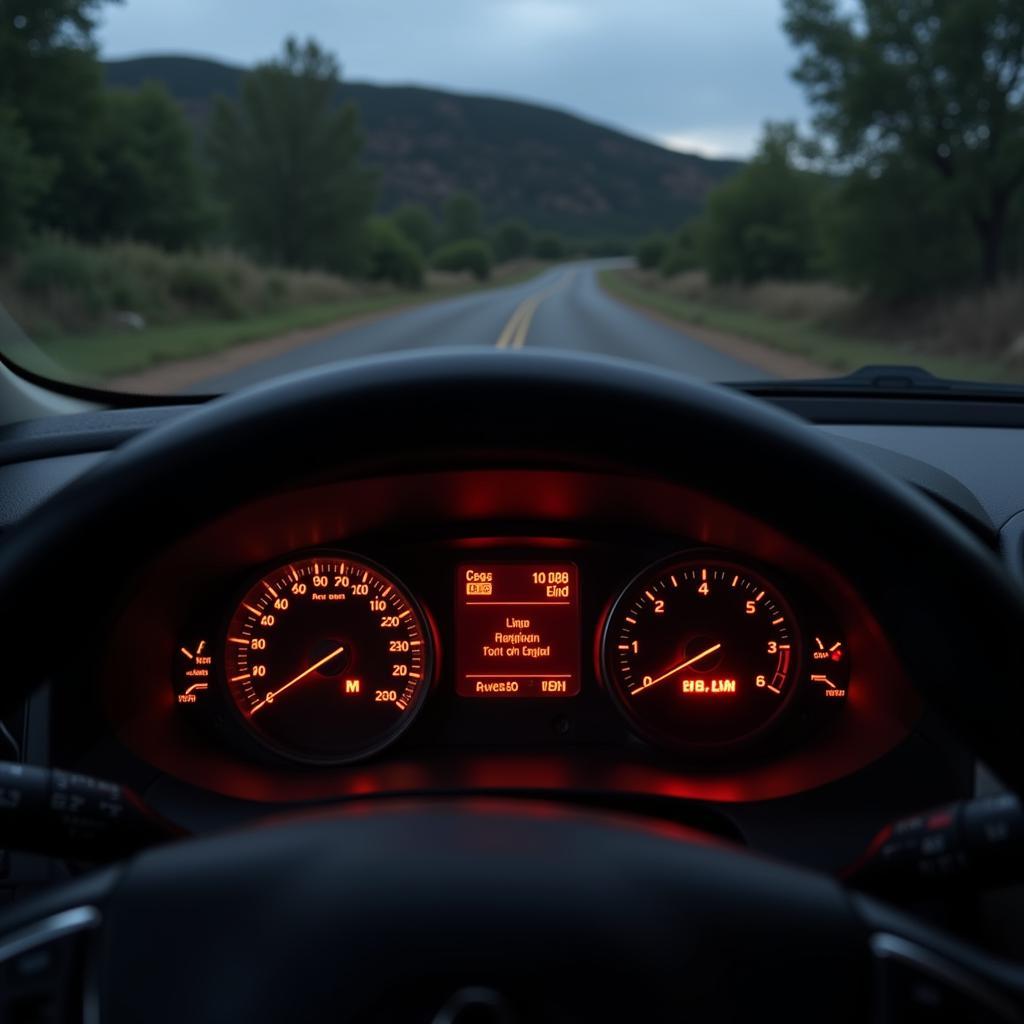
(460, 910)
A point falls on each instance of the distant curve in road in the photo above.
(563, 308)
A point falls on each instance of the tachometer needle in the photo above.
(672, 671)
(270, 697)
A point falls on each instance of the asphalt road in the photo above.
(564, 308)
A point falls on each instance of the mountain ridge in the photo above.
(550, 167)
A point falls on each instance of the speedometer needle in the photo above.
(672, 671)
(269, 699)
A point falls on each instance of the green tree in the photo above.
(462, 217)
(604, 247)
(763, 221)
(285, 160)
(1015, 255)
(650, 251)
(50, 77)
(23, 176)
(930, 85)
(549, 246)
(417, 223)
(897, 235)
(470, 254)
(150, 187)
(683, 251)
(512, 241)
(391, 256)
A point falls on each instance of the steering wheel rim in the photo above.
(462, 408)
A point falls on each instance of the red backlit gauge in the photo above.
(701, 653)
(327, 659)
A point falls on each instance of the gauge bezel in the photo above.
(254, 739)
(664, 738)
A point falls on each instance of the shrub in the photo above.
(275, 289)
(682, 253)
(200, 286)
(512, 240)
(678, 261)
(52, 263)
(462, 217)
(549, 247)
(651, 251)
(54, 266)
(417, 224)
(57, 287)
(391, 256)
(603, 247)
(764, 221)
(471, 255)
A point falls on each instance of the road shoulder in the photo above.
(184, 374)
(780, 364)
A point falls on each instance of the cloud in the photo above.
(671, 70)
(712, 143)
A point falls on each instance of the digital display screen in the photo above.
(517, 631)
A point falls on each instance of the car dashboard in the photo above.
(597, 639)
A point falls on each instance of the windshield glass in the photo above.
(197, 197)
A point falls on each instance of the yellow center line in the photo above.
(513, 334)
(528, 309)
(509, 329)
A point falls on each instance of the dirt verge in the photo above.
(175, 377)
(779, 364)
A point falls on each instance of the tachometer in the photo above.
(327, 658)
(701, 653)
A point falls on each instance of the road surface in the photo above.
(563, 308)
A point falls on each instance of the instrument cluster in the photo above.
(498, 630)
(330, 656)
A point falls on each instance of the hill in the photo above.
(550, 168)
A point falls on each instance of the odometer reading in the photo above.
(701, 653)
(517, 630)
(327, 659)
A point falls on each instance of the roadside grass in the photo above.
(113, 351)
(829, 347)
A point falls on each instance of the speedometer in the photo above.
(701, 653)
(327, 658)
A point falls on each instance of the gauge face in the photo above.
(327, 659)
(700, 653)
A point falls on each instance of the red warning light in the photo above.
(827, 652)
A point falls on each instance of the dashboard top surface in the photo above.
(970, 468)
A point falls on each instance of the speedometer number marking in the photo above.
(326, 657)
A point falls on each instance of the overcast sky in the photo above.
(699, 75)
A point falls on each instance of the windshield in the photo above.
(194, 198)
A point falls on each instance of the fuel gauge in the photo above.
(829, 668)
(193, 671)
